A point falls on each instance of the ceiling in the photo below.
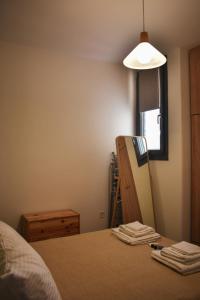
(100, 29)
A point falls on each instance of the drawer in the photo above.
(43, 234)
(53, 225)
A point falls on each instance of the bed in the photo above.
(92, 266)
(98, 266)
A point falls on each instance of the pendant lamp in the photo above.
(144, 55)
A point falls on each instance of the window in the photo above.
(152, 111)
(150, 128)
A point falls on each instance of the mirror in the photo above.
(135, 181)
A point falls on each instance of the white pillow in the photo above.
(24, 274)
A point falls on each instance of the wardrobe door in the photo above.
(195, 80)
(195, 124)
(195, 207)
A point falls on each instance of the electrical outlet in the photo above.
(102, 214)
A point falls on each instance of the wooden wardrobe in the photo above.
(195, 139)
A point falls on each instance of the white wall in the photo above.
(171, 179)
(59, 118)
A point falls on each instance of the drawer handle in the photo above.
(62, 221)
(42, 230)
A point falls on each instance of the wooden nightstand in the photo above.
(51, 224)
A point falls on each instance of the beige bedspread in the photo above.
(97, 266)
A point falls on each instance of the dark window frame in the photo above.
(161, 154)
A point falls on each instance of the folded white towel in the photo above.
(136, 233)
(135, 241)
(186, 248)
(179, 267)
(171, 252)
(136, 226)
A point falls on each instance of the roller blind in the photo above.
(149, 89)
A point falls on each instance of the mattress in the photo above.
(98, 266)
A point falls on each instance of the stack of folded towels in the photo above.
(135, 233)
(183, 257)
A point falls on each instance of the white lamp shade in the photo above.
(144, 56)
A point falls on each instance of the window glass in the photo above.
(150, 128)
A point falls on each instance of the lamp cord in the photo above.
(143, 15)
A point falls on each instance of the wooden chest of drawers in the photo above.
(52, 224)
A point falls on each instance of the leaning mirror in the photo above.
(134, 180)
